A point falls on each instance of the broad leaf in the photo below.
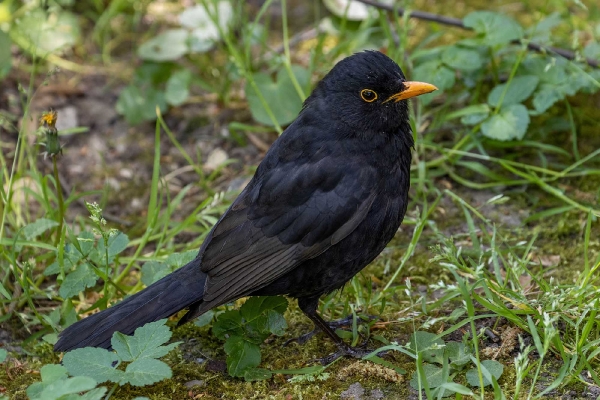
(241, 355)
(33, 230)
(146, 371)
(167, 46)
(139, 104)
(153, 271)
(146, 342)
(64, 387)
(516, 91)
(494, 368)
(178, 87)
(75, 282)
(435, 73)
(178, 260)
(493, 29)
(432, 348)
(204, 31)
(228, 323)
(433, 374)
(93, 362)
(42, 33)
(280, 95)
(458, 354)
(461, 58)
(509, 124)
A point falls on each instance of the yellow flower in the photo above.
(49, 118)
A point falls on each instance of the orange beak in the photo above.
(412, 89)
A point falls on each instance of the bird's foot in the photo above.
(347, 351)
(337, 324)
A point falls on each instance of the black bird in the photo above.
(329, 195)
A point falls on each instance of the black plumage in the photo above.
(329, 195)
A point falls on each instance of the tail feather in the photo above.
(162, 299)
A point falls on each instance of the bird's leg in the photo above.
(309, 307)
(339, 323)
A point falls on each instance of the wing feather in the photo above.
(290, 212)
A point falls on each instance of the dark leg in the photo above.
(309, 307)
(337, 324)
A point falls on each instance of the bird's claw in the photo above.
(345, 350)
(337, 324)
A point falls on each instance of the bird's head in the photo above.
(368, 92)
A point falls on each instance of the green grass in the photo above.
(500, 237)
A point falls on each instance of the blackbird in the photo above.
(329, 195)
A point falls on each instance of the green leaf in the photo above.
(541, 33)
(5, 54)
(153, 271)
(51, 338)
(41, 33)
(493, 29)
(426, 343)
(264, 316)
(3, 355)
(241, 355)
(470, 115)
(178, 260)
(433, 374)
(49, 373)
(519, 90)
(86, 242)
(94, 394)
(458, 354)
(509, 124)
(435, 73)
(178, 87)
(35, 229)
(56, 390)
(75, 282)
(546, 97)
(93, 362)
(204, 319)
(461, 58)
(494, 368)
(228, 323)
(116, 244)
(257, 374)
(167, 46)
(146, 342)
(592, 50)
(138, 104)
(280, 95)
(204, 31)
(146, 371)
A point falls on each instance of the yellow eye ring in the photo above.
(368, 95)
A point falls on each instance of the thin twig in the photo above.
(569, 55)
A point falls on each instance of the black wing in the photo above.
(295, 208)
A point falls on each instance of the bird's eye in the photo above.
(368, 95)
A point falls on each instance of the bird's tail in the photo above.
(162, 299)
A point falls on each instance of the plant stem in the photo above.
(61, 203)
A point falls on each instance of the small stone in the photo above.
(354, 392)
(136, 203)
(216, 157)
(126, 173)
(195, 382)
